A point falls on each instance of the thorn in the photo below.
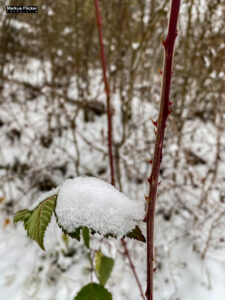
(159, 182)
(172, 73)
(160, 71)
(146, 197)
(155, 123)
(165, 125)
(145, 219)
(150, 161)
(149, 179)
(163, 41)
(154, 131)
(154, 269)
(170, 103)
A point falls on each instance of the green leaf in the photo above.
(107, 235)
(39, 219)
(103, 266)
(136, 234)
(75, 234)
(86, 236)
(93, 291)
(22, 215)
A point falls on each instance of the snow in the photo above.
(91, 202)
(44, 196)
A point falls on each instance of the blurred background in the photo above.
(53, 126)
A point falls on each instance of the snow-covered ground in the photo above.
(189, 248)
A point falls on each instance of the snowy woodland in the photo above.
(54, 145)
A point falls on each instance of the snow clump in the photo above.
(91, 202)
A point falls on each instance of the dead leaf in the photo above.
(2, 199)
(7, 221)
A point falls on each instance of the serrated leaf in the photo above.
(39, 219)
(86, 236)
(136, 234)
(22, 215)
(93, 291)
(103, 266)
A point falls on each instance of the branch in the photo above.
(109, 118)
(160, 125)
(132, 267)
(92, 105)
(107, 90)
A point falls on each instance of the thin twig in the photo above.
(132, 267)
(107, 90)
(109, 118)
(160, 125)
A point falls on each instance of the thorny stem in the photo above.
(107, 90)
(109, 119)
(164, 111)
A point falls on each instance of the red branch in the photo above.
(164, 111)
(132, 267)
(109, 118)
(107, 90)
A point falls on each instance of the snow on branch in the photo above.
(84, 202)
(91, 202)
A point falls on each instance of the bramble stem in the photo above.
(109, 118)
(164, 111)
